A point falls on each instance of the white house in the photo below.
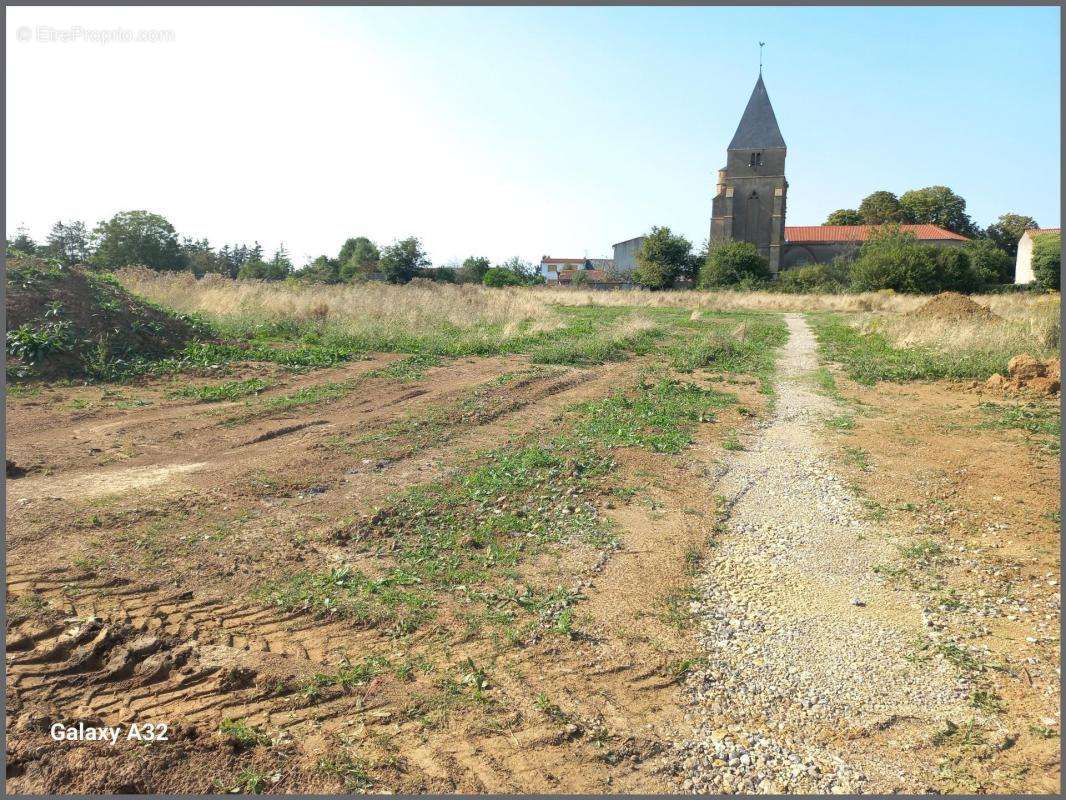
(551, 267)
(1023, 267)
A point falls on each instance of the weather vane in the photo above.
(760, 56)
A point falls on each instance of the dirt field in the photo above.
(477, 573)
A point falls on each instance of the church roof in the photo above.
(860, 233)
(758, 127)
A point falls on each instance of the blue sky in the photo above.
(518, 131)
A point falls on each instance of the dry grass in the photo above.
(355, 310)
(1028, 323)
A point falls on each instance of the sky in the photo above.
(514, 131)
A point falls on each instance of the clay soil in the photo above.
(143, 524)
(972, 505)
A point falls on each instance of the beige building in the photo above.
(1023, 267)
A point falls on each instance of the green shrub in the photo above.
(1047, 259)
(991, 265)
(893, 259)
(663, 257)
(829, 278)
(734, 264)
(498, 277)
(954, 270)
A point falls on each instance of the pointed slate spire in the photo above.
(758, 127)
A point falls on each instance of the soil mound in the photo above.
(953, 306)
(1027, 374)
(68, 322)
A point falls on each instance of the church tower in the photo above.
(750, 202)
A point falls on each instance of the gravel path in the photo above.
(806, 648)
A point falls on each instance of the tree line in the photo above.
(143, 238)
(933, 205)
(890, 259)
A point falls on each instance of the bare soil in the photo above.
(144, 523)
(141, 524)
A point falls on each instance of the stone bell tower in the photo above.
(749, 205)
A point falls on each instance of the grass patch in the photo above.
(230, 390)
(1042, 423)
(660, 416)
(739, 343)
(870, 357)
(844, 422)
(241, 734)
(307, 396)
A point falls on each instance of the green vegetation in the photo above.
(1047, 260)
(660, 416)
(1042, 423)
(69, 322)
(736, 264)
(663, 257)
(894, 259)
(869, 357)
(744, 344)
(241, 734)
(230, 390)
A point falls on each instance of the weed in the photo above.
(870, 357)
(987, 701)
(352, 771)
(241, 734)
(659, 416)
(249, 781)
(1040, 422)
(924, 551)
(857, 457)
(230, 390)
(732, 442)
(844, 422)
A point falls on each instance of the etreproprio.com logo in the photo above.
(78, 34)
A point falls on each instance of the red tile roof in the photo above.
(594, 276)
(1038, 231)
(860, 233)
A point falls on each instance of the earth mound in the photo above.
(1027, 374)
(953, 306)
(69, 322)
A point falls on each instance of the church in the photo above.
(751, 201)
(752, 194)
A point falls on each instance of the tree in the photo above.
(137, 237)
(22, 242)
(661, 258)
(881, 207)
(893, 259)
(402, 260)
(201, 258)
(322, 270)
(734, 263)
(358, 257)
(1047, 260)
(831, 278)
(69, 242)
(1007, 231)
(523, 269)
(844, 216)
(473, 269)
(937, 205)
(954, 270)
(990, 264)
(498, 277)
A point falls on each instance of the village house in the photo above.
(551, 268)
(1023, 266)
